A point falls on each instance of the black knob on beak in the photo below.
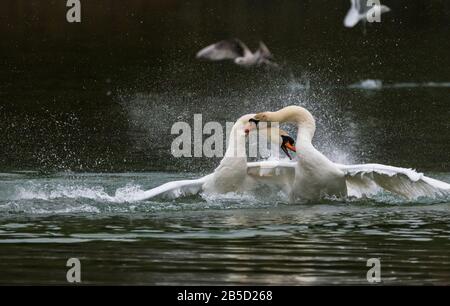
(288, 143)
(254, 121)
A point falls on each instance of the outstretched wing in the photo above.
(223, 50)
(173, 189)
(377, 9)
(271, 168)
(273, 173)
(371, 178)
(360, 9)
(353, 15)
(264, 51)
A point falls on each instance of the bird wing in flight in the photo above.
(264, 51)
(173, 189)
(353, 15)
(223, 50)
(370, 178)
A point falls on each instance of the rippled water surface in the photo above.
(44, 220)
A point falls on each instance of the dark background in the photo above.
(102, 95)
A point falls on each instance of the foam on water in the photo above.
(99, 196)
(49, 192)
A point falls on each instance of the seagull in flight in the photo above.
(360, 10)
(238, 52)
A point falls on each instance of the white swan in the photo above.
(359, 10)
(316, 176)
(231, 174)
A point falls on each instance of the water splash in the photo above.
(151, 115)
(36, 191)
(104, 195)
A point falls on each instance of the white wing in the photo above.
(377, 9)
(264, 51)
(353, 16)
(271, 168)
(278, 174)
(173, 189)
(223, 50)
(371, 178)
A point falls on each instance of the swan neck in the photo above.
(304, 136)
(236, 143)
(306, 125)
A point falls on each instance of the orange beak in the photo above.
(290, 147)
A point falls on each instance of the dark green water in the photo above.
(214, 240)
(87, 109)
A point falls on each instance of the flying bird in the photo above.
(238, 52)
(359, 11)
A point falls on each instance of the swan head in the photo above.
(275, 135)
(287, 143)
(261, 117)
(280, 137)
(245, 124)
(292, 113)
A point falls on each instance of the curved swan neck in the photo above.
(302, 117)
(236, 142)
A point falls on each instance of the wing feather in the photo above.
(271, 168)
(173, 189)
(223, 50)
(353, 16)
(371, 178)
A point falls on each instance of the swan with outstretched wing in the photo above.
(315, 176)
(231, 174)
(365, 179)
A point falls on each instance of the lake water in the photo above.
(85, 117)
